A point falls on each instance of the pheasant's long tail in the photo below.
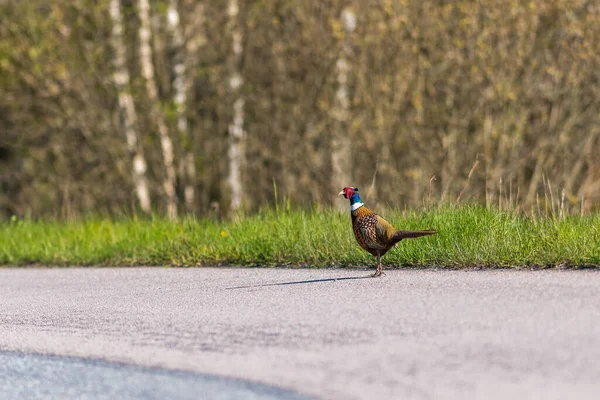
(399, 235)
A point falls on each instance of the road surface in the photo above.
(332, 334)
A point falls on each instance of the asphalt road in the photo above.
(412, 334)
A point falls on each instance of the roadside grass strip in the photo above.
(468, 236)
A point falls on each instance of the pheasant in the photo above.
(372, 232)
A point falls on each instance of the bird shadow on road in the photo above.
(300, 282)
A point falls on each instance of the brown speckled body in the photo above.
(372, 232)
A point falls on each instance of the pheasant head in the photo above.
(351, 193)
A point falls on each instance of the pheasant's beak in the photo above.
(341, 193)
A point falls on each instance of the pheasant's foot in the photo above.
(378, 273)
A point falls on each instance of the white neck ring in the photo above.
(356, 206)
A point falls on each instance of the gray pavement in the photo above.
(412, 334)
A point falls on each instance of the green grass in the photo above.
(468, 236)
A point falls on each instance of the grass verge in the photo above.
(468, 236)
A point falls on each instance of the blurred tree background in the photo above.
(180, 106)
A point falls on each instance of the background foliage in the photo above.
(491, 101)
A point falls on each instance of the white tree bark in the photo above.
(180, 100)
(163, 131)
(128, 115)
(237, 135)
(340, 141)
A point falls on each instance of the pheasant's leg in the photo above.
(379, 269)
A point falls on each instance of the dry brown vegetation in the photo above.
(490, 101)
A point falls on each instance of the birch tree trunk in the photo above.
(237, 136)
(157, 113)
(340, 140)
(180, 101)
(128, 116)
